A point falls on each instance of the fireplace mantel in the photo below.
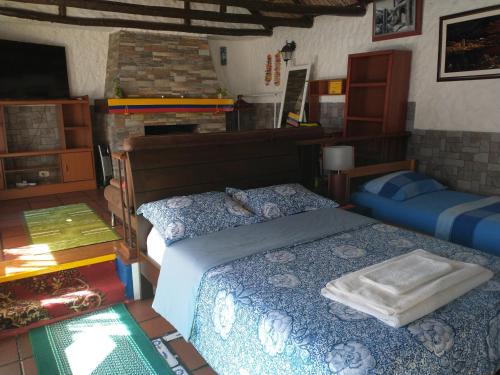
(164, 105)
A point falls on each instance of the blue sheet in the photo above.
(261, 311)
(421, 213)
(185, 262)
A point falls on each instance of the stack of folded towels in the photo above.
(405, 288)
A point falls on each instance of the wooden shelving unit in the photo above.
(316, 90)
(70, 165)
(377, 93)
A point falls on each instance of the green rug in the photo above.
(105, 342)
(65, 227)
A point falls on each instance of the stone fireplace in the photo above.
(157, 65)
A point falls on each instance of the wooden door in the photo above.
(77, 166)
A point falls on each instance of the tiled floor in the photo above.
(16, 357)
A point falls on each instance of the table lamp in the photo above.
(338, 159)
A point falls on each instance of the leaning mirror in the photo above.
(294, 94)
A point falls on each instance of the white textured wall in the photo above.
(462, 105)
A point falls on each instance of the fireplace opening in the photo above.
(169, 129)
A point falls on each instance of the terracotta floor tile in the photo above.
(94, 194)
(44, 204)
(11, 369)
(73, 195)
(8, 351)
(142, 310)
(188, 354)
(16, 217)
(44, 198)
(29, 366)
(66, 201)
(156, 327)
(11, 221)
(24, 346)
(16, 231)
(15, 203)
(17, 241)
(207, 370)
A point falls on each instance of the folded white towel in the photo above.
(401, 276)
(351, 289)
(423, 308)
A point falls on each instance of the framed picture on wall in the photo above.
(396, 19)
(469, 45)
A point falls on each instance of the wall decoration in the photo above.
(469, 45)
(294, 93)
(223, 55)
(277, 68)
(396, 19)
(269, 70)
(288, 50)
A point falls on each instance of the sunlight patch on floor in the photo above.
(93, 343)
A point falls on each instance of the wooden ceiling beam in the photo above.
(311, 10)
(163, 11)
(124, 23)
(187, 6)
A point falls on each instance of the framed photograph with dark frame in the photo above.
(396, 19)
(469, 45)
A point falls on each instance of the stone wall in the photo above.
(466, 161)
(331, 116)
(154, 65)
(32, 128)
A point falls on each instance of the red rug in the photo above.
(40, 300)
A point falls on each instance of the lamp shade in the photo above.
(338, 158)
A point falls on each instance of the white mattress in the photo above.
(156, 246)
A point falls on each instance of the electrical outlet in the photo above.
(43, 174)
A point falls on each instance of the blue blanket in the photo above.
(459, 223)
(423, 212)
(185, 262)
(262, 313)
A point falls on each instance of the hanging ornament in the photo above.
(269, 69)
(277, 69)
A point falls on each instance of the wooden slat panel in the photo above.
(185, 175)
(207, 154)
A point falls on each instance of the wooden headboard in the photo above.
(188, 169)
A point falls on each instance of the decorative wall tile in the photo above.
(467, 161)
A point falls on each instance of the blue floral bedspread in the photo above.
(264, 314)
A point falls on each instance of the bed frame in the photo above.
(164, 166)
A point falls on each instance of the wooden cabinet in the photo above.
(76, 166)
(54, 158)
(377, 93)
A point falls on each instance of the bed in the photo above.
(249, 300)
(467, 219)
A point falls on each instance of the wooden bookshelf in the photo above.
(316, 90)
(377, 93)
(70, 163)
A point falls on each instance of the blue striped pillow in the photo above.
(402, 185)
